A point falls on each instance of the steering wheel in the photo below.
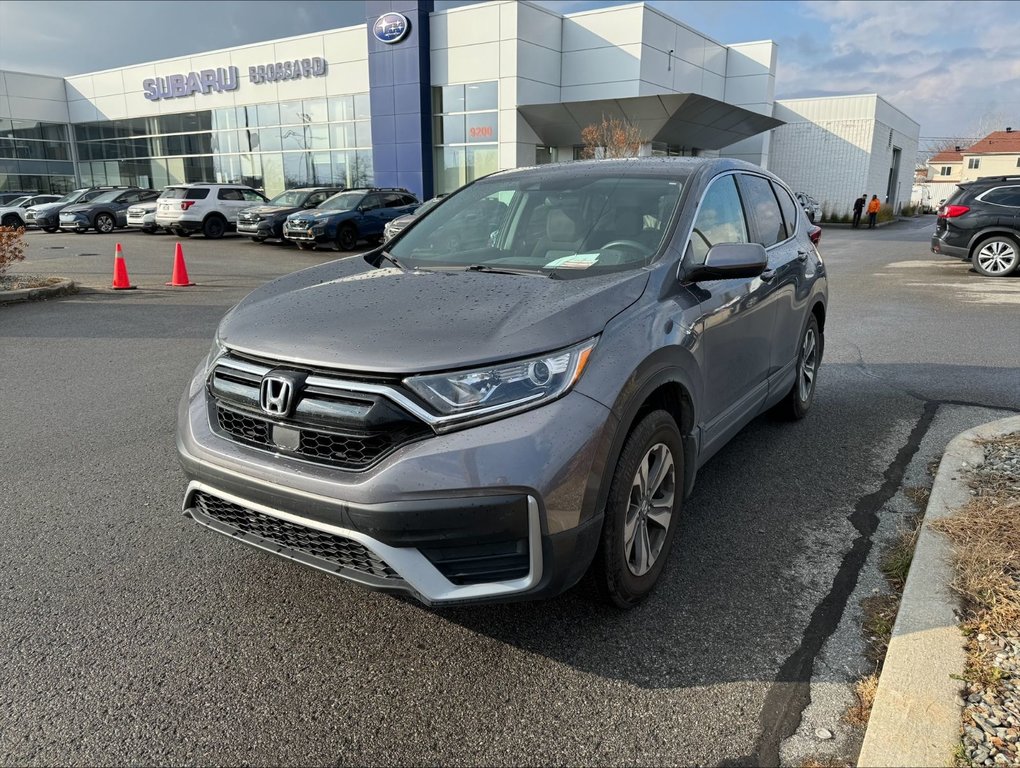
(640, 248)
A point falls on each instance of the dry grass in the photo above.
(825, 762)
(986, 539)
(919, 495)
(864, 691)
(879, 618)
(895, 560)
(985, 535)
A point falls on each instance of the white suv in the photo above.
(207, 208)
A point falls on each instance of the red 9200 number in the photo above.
(482, 132)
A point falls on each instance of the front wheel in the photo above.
(645, 497)
(997, 256)
(809, 358)
(51, 230)
(11, 221)
(104, 223)
(258, 239)
(347, 237)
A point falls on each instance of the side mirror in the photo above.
(727, 261)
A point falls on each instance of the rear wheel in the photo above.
(51, 230)
(642, 512)
(809, 357)
(258, 239)
(347, 237)
(104, 223)
(997, 256)
(214, 227)
(10, 220)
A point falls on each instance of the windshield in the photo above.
(107, 197)
(427, 206)
(290, 199)
(71, 197)
(344, 201)
(562, 223)
(18, 201)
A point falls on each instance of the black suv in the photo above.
(262, 222)
(106, 211)
(490, 420)
(980, 222)
(349, 217)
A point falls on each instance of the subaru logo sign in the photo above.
(391, 28)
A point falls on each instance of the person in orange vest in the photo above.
(873, 206)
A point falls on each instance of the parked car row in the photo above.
(980, 223)
(327, 216)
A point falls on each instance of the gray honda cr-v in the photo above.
(493, 419)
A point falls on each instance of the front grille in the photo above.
(330, 421)
(344, 552)
(346, 451)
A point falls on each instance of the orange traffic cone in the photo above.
(180, 276)
(120, 275)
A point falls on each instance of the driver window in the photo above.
(720, 220)
(371, 202)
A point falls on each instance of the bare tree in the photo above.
(611, 137)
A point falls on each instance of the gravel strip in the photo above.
(991, 712)
(16, 282)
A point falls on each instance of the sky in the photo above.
(951, 66)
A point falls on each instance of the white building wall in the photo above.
(836, 148)
(32, 97)
(751, 84)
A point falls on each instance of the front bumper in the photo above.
(499, 489)
(306, 235)
(46, 222)
(938, 245)
(79, 225)
(256, 228)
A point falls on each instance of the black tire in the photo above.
(305, 246)
(104, 223)
(51, 230)
(10, 220)
(214, 227)
(997, 256)
(618, 568)
(809, 357)
(257, 239)
(347, 237)
(181, 232)
(149, 230)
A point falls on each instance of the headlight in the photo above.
(503, 387)
(319, 227)
(216, 351)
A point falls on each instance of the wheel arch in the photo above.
(988, 232)
(665, 387)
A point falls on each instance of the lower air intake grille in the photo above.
(336, 549)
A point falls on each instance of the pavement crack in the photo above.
(790, 693)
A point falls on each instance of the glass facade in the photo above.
(466, 132)
(271, 147)
(35, 157)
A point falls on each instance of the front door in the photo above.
(735, 322)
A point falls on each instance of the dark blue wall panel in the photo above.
(401, 96)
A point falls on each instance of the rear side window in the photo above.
(763, 208)
(789, 208)
(252, 196)
(720, 220)
(186, 193)
(230, 194)
(1003, 196)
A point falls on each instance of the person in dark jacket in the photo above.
(858, 210)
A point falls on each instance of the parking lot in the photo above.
(132, 635)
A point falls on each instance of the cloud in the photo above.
(899, 51)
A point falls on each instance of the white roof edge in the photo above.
(218, 50)
(29, 74)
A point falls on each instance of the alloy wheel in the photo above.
(650, 509)
(104, 224)
(808, 365)
(997, 257)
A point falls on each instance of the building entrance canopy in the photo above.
(684, 119)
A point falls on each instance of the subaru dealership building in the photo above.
(413, 97)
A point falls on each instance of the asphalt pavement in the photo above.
(130, 635)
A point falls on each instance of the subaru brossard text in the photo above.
(494, 420)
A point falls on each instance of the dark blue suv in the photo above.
(349, 217)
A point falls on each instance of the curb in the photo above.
(63, 288)
(915, 719)
(864, 224)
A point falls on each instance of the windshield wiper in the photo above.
(393, 260)
(502, 270)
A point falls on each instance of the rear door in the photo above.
(230, 200)
(736, 324)
(122, 203)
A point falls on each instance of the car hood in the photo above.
(402, 221)
(83, 207)
(347, 314)
(48, 207)
(271, 210)
(8, 209)
(314, 215)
